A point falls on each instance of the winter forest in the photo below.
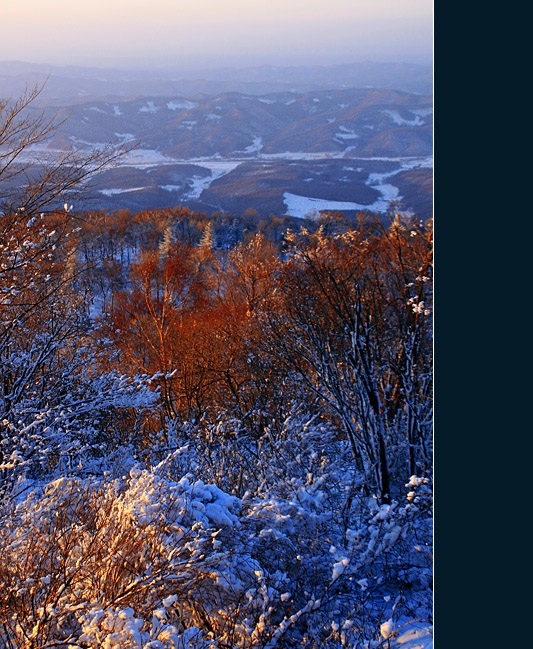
(215, 432)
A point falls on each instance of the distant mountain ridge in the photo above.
(365, 122)
(69, 84)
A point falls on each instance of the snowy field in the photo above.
(303, 206)
(217, 169)
(296, 205)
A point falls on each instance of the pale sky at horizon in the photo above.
(215, 32)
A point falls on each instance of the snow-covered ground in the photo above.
(398, 119)
(218, 169)
(113, 192)
(412, 636)
(303, 206)
(181, 104)
(296, 205)
(143, 158)
(149, 108)
(256, 145)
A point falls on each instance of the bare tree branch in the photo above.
(37, 183)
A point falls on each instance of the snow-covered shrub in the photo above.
(330, 564)
(156, 560)
(294, 485)
(122, 564)
(338, 564)
(71, 423)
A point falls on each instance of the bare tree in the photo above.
(31, 182)
(353, 320)
(41, 311)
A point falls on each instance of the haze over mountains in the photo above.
(277, 140)
(69, 84)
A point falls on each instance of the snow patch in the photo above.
(145, 158)
(422, 112)
(124, 137)
(303, 206)
(199, 183)
(256, 146)
(181, 105)
(113, 192)
(345, 134)
(85, 143)
(398, 119)
(413, 636)
(149, 108)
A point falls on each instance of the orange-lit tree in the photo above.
(351, 315)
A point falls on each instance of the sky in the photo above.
(199, 33)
